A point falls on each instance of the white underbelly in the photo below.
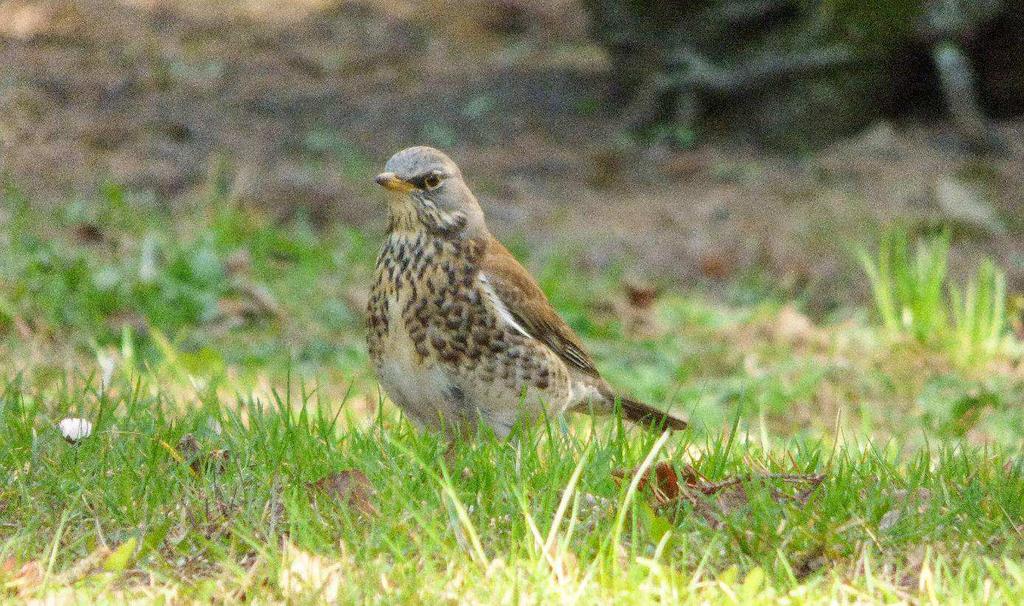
(418, 387)
(457, 397)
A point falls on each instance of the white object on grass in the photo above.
(74, 429)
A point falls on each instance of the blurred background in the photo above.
(180, 175)
(702, 139)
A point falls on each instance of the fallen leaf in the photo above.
(665, 485)
(711, 500)
(717, 265)
(640, 295)
(350, 487)
(88, 233)
(636, 312)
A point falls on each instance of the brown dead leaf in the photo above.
(640, 295)
(350, 487)
(665, 486)
(718, 265)
(636, 312)
(88, 233)
(713, 500)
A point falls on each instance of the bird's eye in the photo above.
(431, 181)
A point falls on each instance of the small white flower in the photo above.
(74, 429)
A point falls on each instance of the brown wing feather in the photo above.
(530, 308)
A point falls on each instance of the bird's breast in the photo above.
(428, 288)
(435, 331)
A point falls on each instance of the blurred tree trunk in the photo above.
(796, 73)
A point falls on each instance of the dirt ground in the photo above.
(293, 106)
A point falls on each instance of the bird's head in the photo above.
(428, 193)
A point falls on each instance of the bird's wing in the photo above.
(522, 304)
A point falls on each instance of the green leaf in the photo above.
(118, 560)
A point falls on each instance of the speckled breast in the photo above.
(441, 351)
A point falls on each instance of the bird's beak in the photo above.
(392, 182)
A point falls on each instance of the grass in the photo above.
(908, 287)
(914, 297)
(99, 276)
(219, 356)
(979, 315)
(881, 526)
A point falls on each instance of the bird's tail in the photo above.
(650, 417)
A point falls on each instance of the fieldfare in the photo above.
(459, 332)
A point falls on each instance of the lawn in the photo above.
(240, 451)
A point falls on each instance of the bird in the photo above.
(458, 331)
